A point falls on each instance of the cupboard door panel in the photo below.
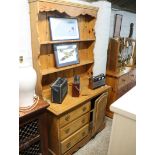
(100, 106)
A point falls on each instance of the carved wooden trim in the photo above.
(71, 9)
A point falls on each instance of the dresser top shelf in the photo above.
(65, 41)
(54, 69)
(119, 73)
(70, 102)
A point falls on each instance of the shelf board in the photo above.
(66, 41)
(118, 73)
(54, 69)
(29, 143)
(69, 102)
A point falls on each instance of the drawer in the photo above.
(74, 114)
(74, 138)
(123, 81)
(132, 75)
(122, 91)
(131, 84)
(74, 126)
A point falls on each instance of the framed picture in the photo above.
(64, 28)
(117, 26)
(66, 54)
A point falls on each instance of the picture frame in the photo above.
(117, 26)
(66, 54)
(64, 28)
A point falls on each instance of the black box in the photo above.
(59, 90)
(96, 81)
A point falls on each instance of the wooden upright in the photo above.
(74, 122)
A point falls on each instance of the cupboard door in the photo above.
(99, 111)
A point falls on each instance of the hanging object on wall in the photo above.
(27, 82)
(131, 30)
(117, 26)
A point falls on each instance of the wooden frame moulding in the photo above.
(75, 9)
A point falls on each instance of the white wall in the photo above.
(102, 29)
(24, 32)
(128, 18)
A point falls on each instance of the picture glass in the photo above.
(66, 54)
(64, 28)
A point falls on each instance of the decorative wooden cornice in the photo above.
(63, 6)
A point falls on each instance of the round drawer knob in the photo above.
(123, 80)
(84, 109)
(67, 130)
(68, 145)
(67, 118)
(83, 121)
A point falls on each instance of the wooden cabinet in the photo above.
(121, 68)
(73, 127)
(33, 130)
(121, 82)
(73, 122)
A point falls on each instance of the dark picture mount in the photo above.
(66, 54)
(117, 26)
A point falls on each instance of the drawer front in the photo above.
(132, 75)
(122, 91)
(131, 84)
(123, 81)
(74, 126)
(74, 138)
(74, 114)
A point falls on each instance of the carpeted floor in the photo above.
(98, 145)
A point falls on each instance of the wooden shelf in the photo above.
(54, 69)
(69, 101)
(42, 50)
(118, 73)
(66, 41)
(29, 143)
